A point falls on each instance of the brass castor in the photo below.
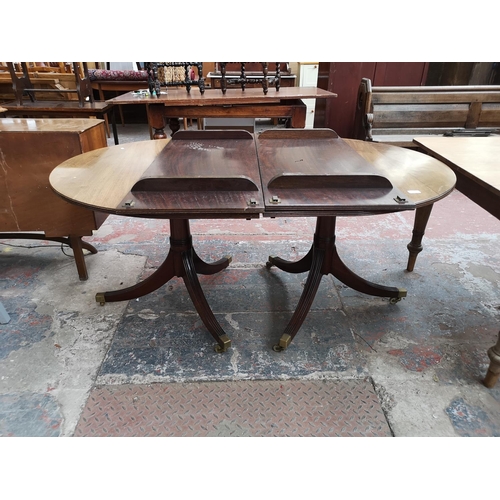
(283, 344)
(402, 293)
(226, 344)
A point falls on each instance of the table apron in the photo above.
(254, 111)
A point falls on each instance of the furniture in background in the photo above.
(117, 81)
(23, 87)
(55, 81)
(63, 109)
(343, 78)
(395, 115)
(244, 75)
(27, 105)
(232, 174)
(29, 209)
(235, 103)
(476, 163)
(308, 77)
(174, 74)
(233, 75)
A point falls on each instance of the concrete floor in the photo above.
(422, 359)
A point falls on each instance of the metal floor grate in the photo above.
(239, 408)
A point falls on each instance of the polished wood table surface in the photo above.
(232, 174)
(476, 163)
(63, 109)
(235, 103)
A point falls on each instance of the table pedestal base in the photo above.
(182, 262)
(323, 259)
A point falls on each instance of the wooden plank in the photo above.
(57, 106)
(306, 171)
(420, 116)
(264, 110)
(214, 97)
(434, 88)
(473, 115)
(490, 115)
(434, 97)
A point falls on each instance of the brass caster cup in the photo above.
(226, 344)
(283, 344)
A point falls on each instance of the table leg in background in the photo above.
(156, 120)
(422, 215)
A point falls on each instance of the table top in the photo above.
(477, 158)
(215, 97)
(218, 174)
(63, 106)
(69, 125)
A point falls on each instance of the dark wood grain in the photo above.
(233, 96)
(250, 103)
(214, 171)
(316, 170)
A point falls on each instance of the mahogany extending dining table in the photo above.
(232, 174)
(476, 163)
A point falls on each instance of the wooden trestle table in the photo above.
(476, 163)
(232, 174)
(235, 103)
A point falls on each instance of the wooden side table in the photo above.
(29, 150)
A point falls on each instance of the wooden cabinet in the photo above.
(344, 79)
(308, 77)
(29, 150)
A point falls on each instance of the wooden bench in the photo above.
(395, 115)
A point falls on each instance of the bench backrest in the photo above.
(393, 110)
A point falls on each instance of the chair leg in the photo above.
(106, 121)
(120, 109)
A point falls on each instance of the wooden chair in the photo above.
(23, 86)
